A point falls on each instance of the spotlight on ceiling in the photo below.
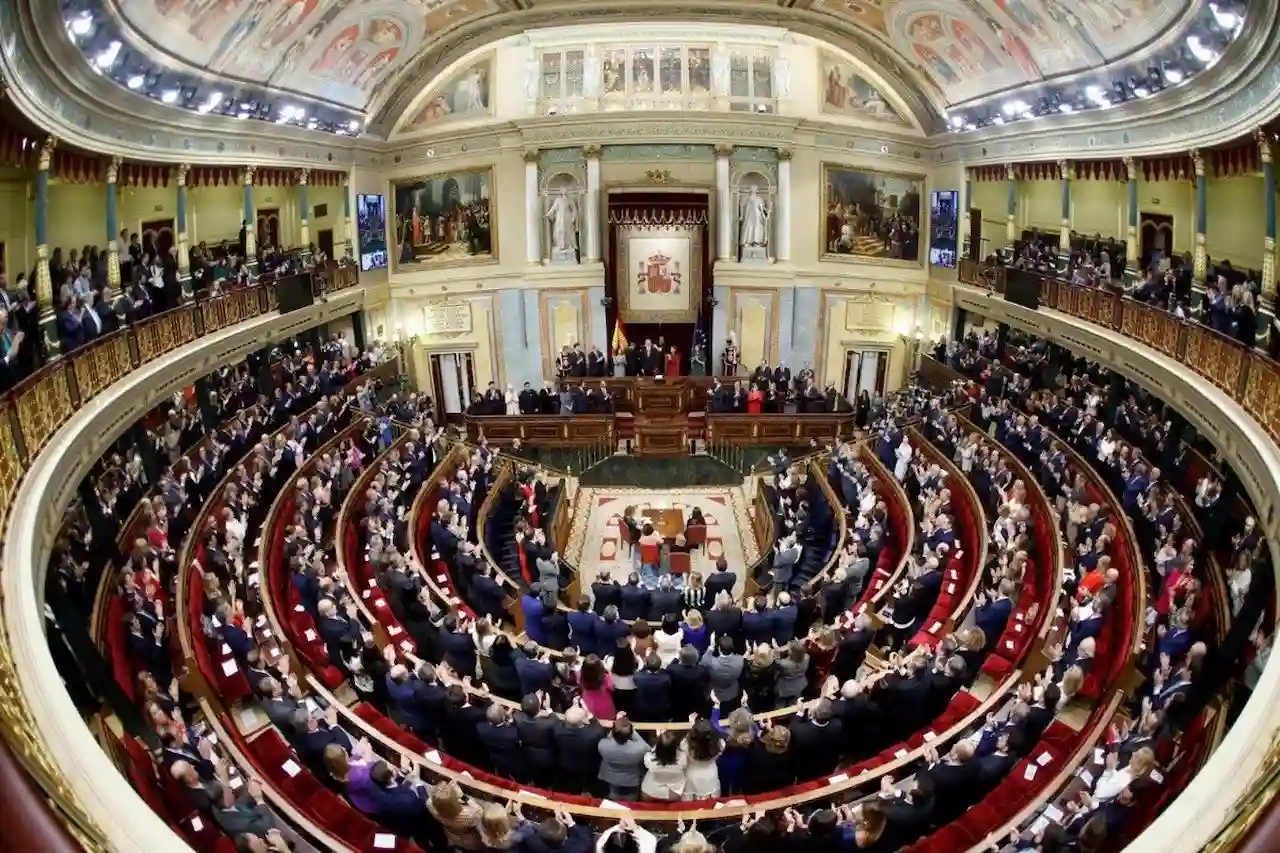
(957, 121)
(1065, 107)
(135, 81)
(353, 126)
(1174, 75)
(107, 57)
(169, 96)
(81, 25)
(1226, 18)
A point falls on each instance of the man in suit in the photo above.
(528, 400)
(652, 697)
(577, 742)
(502, 741)
(782, 619)
(689, 685)
(416, 701)
(721, 580)
(632, 359)
(606, 591)
(595, 362)
(312, 733)
(817, 741)
(992, 613)
(785, 559)
(340, 631)
(724, 669)
(636, 601)
(582, 623)
(651, 359)
(664, 600)
(536, 727)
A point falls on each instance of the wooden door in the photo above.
(1157, 237)
(268, 227)
(324, 241)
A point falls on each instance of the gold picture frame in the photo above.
(690, 276)
(436, 230)
(872, 216)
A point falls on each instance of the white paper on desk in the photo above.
(1044, 759)
(1018, 628)
(442, 578)
(530, 794)
(236, 783)
(1053, 813)
(365, 594)
(381, 602)
(1009, 645)
(407, 645)
(934, 628)
(433, 756)
(373, 581)
(299, 608)
(266, 632)
(257, 542)
(311, 636)
(930, 736)
(384, 841)
(291, 767)
(249, 718)
(838, 778)
(229, 667)
(1086, 777)
(226, 650)
(902, 753)
(262, 620)
(1031, 772)
(1099, 755)
(213, 738)
(394, 630)
(1040, 825)
(253, 579)
(951, 589)
(312, 705)
(1156, 776)
(953, 574)
(610, 804)
(196, 824)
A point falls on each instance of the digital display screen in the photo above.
(371, 231)
(944, 227)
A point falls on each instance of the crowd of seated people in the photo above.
(230, 439)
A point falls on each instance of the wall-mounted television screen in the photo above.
(371, 231)
(944, 227)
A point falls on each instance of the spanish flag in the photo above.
(619, 336)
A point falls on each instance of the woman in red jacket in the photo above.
(673, 362)
(755, 400)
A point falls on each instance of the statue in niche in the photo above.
(754, 215)
(782, 77)
(720, 71)
(563, 215)
(531, 74)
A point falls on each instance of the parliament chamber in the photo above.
(554, 426)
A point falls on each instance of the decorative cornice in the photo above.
(592, 150)
(1197, 161)
(183, 169)
(113, 170)
(1010, 174)
(1264, 144)
(724, 149)
(785, 154)
(530, 155)
(1131, 168)
(46, 153)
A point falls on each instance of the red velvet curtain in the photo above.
(679, 335)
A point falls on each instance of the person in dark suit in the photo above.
(71, 333)
(582, 628)
(609, 628)
(993, 613)
(651, 701)
(665, 600)
(313, 733)
(605, 592)
(577, 741)
(636, 600)
(852, 648)
(501, 740)
(340, 632)
(817, 740)
(690, 683)
(536, 726)
(721, 580)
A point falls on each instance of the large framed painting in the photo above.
(845, 92)
(659, 269)
(871, 215)
(447, 219)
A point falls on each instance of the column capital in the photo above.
(1197, 162)
(1064, 170)
(530, 155)
(1131, 168)
(1009, 173)
(1264, 144)
(249, 172)
(785, 154)
(113, 170)
(724, 149)
(346, 179)
(592, 151)
(303, 176)
(183, 170)
(46, 153)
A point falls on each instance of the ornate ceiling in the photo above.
(376, 55)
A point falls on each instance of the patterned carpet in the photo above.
(595, 544)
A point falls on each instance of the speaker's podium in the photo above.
(661, 395)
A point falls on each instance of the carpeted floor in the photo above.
(639, 473)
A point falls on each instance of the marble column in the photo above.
(184, 254)
(44, 282)
(966, 204)
(1200, 267)
(1011, 231)
(1064, 231)
(1131, 248)
(113, 225)
(1269, 204)
(250, 219)
(782, 211)
(724, 205)
(304, 203)
(348, 226)
(532, 209)
(593, 202)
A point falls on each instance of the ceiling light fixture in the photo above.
(1174, 75)
(136, 81)
(169, 96)
(82, 25)
(107, 58)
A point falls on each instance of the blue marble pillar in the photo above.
(250, 223)
(1064, 232)
(346, 213)
(1201, 258)
(1011, 176)
(304, 204)
(1269, 203)
(113, 224)
(1131, 238)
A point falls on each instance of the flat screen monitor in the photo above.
(944, 227)
(371, 230)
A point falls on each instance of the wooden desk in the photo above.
(542, 430)
(662, 435)
(667, 523)
(780, 430)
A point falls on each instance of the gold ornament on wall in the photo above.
(658, 176)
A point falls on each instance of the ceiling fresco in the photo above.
(353, 52)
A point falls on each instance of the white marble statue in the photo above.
(531, 73)
(720, 71)
(782, 77)
(755, 219)
(564, 223)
